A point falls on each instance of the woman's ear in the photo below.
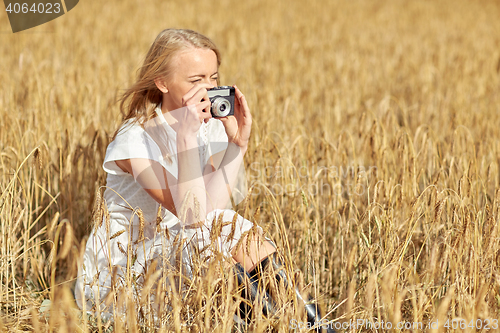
(160, 84)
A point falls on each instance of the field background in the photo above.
(374, 160)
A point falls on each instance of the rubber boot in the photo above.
(252, 291)
(312, 309)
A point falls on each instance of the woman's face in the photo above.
(190, 67)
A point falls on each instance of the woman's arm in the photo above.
(185, 196)
(188, 189)
(156, 180)
(191, 196)
(153, 178)
(238, 128)
(221, 181)
(189, 192)
(201, 195)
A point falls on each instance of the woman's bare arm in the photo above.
(153, 178)
(220, 183)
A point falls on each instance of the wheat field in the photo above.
(374, 161)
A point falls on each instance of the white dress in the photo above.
(118, 240)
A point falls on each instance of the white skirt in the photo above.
(110, 250)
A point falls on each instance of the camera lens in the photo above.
(221, 107)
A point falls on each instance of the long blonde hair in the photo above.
(140, 100)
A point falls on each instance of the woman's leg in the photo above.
(252, 251)
(253, 259)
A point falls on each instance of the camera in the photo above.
(222, 99)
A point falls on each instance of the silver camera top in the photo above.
(220, 91)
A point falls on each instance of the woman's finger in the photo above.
(207, 99)
(203, 106)
(203, 109)
(195, 98)
(196, 94)
(189, 94)
(242, 102)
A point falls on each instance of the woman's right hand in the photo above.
(196, 110)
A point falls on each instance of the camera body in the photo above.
(222, 99)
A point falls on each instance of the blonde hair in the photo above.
(140, 100)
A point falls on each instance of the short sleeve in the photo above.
(132, 141)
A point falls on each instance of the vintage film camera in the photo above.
(222, 99)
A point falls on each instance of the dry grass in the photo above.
(374, 160)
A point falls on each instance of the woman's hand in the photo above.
(196, 110)
(239, 126)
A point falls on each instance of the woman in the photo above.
(171, 169)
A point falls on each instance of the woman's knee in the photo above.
(253, 250)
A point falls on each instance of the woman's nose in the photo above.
(210, 83)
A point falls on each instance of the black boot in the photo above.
(312, 309)
(252, 290)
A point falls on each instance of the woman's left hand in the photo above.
(239, 126)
